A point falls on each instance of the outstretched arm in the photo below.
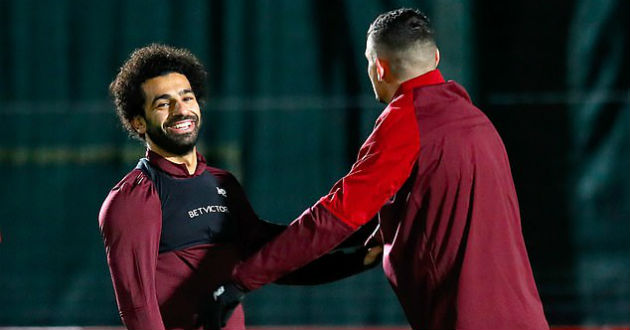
(347, 258)
(334, 266)
(358, 253)
(384, 163)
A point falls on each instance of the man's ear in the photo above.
(382, 69)
(139, 124)
(437, 57)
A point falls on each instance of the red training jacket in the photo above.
(438, 172)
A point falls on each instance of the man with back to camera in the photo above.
(174, 227)
(438, 172)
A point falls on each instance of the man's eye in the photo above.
(188, 98)
(162, 105)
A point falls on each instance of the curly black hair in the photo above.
(397, 29)
(150, 62)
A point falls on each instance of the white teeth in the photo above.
(183, 125)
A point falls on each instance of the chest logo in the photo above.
(221, 192)
(207, 209)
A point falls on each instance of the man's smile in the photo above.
(181, 126)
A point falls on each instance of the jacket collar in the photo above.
(176, 170)
(433, 77)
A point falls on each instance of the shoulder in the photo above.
(134, 194)
(222, 176)
(400, 108)
(217, 171)
(397, 119)
(133, 182)
(403, 100)
(449, 94)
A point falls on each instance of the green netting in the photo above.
(290, 102)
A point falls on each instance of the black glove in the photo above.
(225, 298)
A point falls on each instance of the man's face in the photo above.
(172, 113)
(377, 86)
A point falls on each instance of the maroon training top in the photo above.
(167, 290)
(438, 172)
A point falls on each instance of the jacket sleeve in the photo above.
(344, 261)
(130, 222)
(384, 163)
(331, 267)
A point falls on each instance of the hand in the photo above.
(226, 298)
(372, 255)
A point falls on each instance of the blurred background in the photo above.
(290, 104)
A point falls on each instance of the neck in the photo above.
(390, 91)
(415, 73)
(189, 159)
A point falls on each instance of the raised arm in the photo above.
(130, 222)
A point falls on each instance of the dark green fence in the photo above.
(290, 104)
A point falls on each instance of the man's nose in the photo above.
(179, 107)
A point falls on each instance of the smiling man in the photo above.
(174, 227)
(161, 259)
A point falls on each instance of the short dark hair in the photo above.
(398, 29)
(150, 62)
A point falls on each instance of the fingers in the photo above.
(227, 297)
(373, 254)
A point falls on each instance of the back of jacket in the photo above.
(454, 251)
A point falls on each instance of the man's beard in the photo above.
(177, 144)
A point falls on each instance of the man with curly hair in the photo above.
(174, 227)
(437, 173)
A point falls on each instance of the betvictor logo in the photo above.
(208, 209)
